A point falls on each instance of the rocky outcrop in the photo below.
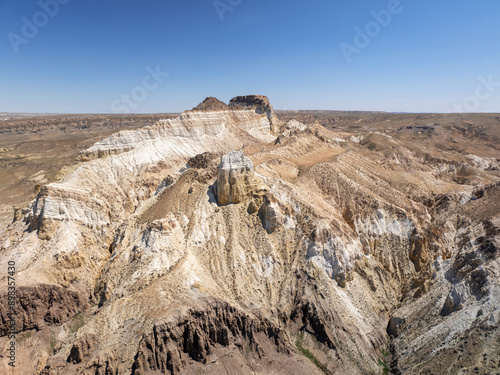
(271, 213)
(42, 305)
(236, 180)
(55, 202)
(456, 295)
(202, 161)
(258, 103)
(419, 253)
(292, 128)
(211, 104)
(333, 254)
(82, 349)
(205, 338)
(171, 346)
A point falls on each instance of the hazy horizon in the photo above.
(275, 109)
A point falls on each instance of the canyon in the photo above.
(235, 239)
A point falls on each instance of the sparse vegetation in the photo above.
(76, 323)
(248, 349)
(52, 344)
(23, 336)
(308, 354)
(383, 363)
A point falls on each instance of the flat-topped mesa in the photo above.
(259, 103)
(236, 180)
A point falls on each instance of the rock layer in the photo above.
(260, 104)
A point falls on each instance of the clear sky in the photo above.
(89, 56)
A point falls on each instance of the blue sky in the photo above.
(97, 56)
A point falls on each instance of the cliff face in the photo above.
(311, 251)
(236, 180)
(259, 104)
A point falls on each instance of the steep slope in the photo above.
(306, 251)
(37, 150)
